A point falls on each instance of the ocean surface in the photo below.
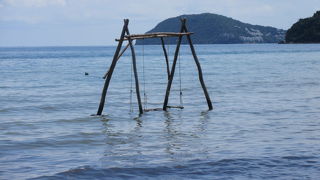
(265, 123)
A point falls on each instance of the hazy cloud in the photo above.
(33, 3)
(98, 21)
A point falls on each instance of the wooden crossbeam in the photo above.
(154, 35)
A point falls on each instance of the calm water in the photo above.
(265, 123)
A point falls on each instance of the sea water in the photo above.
(265, 123)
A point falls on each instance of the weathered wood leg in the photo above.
(113, 65)
(135, 73)
(166, 99)
(166, 56)
(199, 69)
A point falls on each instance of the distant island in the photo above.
(305, 30)
(217, 29)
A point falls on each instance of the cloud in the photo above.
(16, 18)
(33, 3)
(103, 18)
(31, 11)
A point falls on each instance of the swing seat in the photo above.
(153, 109)
(160, 109)
(178, 107)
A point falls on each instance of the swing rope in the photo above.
(180, 77)
(145, 100)
(180, 81)
(168, 47)
(145, 97)
(131, 88)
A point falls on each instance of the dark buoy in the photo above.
(86, 74)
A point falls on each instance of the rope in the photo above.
(131, 87)
(144, 80)
(180, 80)
(168, 49)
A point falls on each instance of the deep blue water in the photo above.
(265, 123)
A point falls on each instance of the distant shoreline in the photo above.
(102, 46)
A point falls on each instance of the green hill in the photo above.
(217, 29)
(305, 30)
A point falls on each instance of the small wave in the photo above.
(266, 168)
(80, 119)
(4, 110)
(72, 140)
(50, 108)
(298, 157)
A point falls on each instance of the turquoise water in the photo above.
(265, 123)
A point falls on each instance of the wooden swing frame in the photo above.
(125, 36)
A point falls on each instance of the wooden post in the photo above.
(135, 72)
(113, 65)
(166, 99)
(166, 56)
(198, 67)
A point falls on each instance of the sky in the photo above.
(99, 22)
